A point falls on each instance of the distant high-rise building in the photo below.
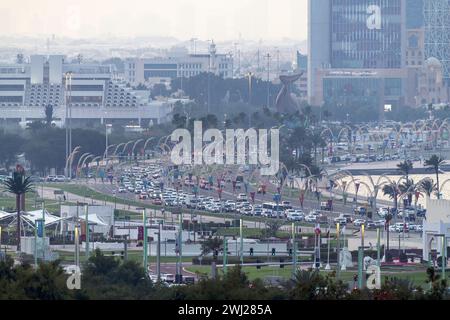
(302, 61)
(414, 14)
(356, 52)
(437, 32)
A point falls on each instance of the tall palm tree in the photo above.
(317, 142)
(405, 167)
(18, 185)
(428, 187)
(435, 163)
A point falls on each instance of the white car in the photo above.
(242, 196)
(294, 216)
(266, 213)
(311, 218)
(359, 222)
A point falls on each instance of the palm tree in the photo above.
(18, 185)
(405, 167)
(392, 191)
(408, 188)
(435, 162)
(317, 142)
(427, 186)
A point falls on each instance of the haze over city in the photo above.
(182, 19)
(246, 150)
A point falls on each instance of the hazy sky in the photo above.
(183, 19)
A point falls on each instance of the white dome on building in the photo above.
(433, 62)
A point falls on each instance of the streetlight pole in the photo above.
(77, 247)
(338, 231)
(86, 211)
(268, 80)
(225, 255)
(294, 252)
(180, 251)
(145, 244)
(378, 247)
(158, 254)
(106, 140)
(68, 122)
(361, 260)
(241, 223)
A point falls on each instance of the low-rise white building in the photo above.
(435, 227)
(101, 218)
(161, 69)
(76, 91)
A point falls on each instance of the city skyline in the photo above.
(181, 19)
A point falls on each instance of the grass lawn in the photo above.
(9, 203)
(417, 277)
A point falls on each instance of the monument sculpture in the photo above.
(285, 102)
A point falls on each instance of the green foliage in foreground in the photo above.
(106, 277)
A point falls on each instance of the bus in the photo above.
(273, 206)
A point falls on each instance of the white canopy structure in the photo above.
(5, 215)
(93, 219)
(32, 216)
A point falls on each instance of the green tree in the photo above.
(272, 228)
(435, 162)
(18, 185)
(48, 114)
(11, 147)
(212, 245)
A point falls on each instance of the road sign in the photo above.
(277, 197)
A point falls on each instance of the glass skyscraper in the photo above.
(357, 52)
(414, 14)
(366, 34)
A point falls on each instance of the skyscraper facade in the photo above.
(436, 15)
(366, 34)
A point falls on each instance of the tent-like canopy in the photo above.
(32, 216)
(93, 219)
(5, 215)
